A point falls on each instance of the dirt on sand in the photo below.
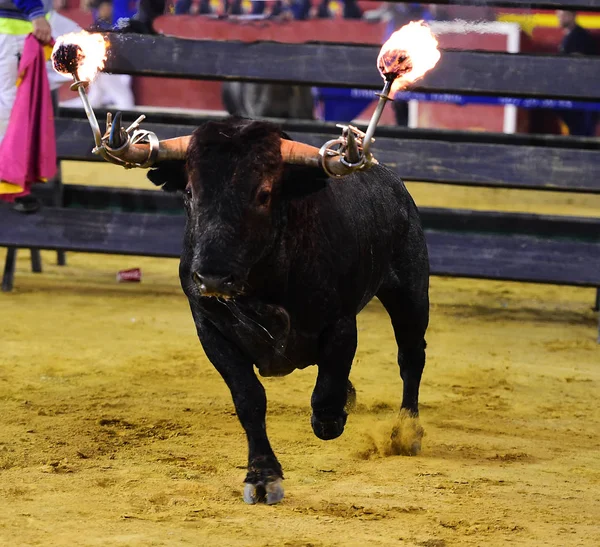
(116, 430)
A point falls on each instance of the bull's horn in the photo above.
(145, 155)
(298, 153)
(352, 152)
(117, 136)
(292, 152)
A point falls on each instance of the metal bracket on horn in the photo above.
(353, 148)
(349, 149)
(116, 141)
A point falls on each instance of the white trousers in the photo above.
(11, 47)
(60, 25)
(111, 90)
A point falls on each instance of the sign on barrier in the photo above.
(500, 101)
(344, 105)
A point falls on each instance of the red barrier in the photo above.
(197, 27)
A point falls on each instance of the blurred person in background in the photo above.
(130, 15)
(60, 25)
(282, 9)
(184, 7)
(109, 90)
(123, 11)
(149, 10)
(576, 41)
(142, 19)
(18, 19)
(102, 12)
(351, 10)
(575, 38)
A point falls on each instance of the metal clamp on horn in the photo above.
(350, 150)
(117, 141)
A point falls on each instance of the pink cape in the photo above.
(28, 150)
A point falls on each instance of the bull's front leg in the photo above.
(263, 481)
(337, 346)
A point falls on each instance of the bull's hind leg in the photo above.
(337, 346)
(408, 307)
(350, 397)
(263, 481)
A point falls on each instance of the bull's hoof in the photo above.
(269, 493)
(330, 428)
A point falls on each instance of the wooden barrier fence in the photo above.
(539, 248)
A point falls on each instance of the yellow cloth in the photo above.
(8, 188)
(48, 51)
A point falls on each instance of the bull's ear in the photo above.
(170, 175)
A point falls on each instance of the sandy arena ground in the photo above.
(117, 431)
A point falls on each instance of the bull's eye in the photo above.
(188, 192)
(263, 197)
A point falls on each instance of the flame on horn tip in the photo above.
(408, 54)
(80, 53)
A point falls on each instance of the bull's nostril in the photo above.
(199, 280)
(213, 285)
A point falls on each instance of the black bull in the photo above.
(277, 262)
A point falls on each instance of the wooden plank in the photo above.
(190, 120)
(481, 255)
(481, 164)
(497, 222)
(93, 231)
(441, 219)
(122, 200)
(339, 65)
(514, 258)
(193, 118)
(587, 5)
(476, 163)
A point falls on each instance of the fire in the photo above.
(81, 53)
(408, 54)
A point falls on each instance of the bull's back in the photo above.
(375, 202)
(343, 240)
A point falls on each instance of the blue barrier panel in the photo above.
(343, 104)
(500, 101)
